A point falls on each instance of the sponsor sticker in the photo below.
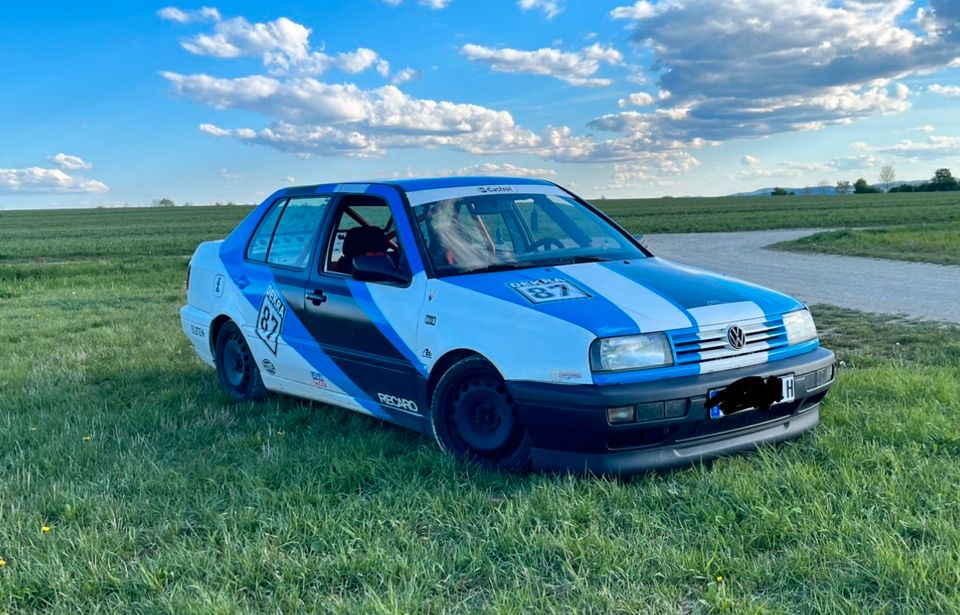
(218, 285)
(270, 319)
(495, 189)
(546, 290)
(318, 380)
(392, 401)
(197, 331)
(269, 367)
(565, 375)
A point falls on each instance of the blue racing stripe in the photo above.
(689, 289)
(595, 314)
(294, 332)
(361, 294)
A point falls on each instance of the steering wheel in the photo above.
(547, 243)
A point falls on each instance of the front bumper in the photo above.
(569, 431)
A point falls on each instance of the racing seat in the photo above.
(359, 241)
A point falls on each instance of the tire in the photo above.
(237, 369)
(474, 417)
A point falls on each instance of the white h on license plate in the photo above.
(789, 394)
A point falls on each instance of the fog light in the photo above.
(623, 414)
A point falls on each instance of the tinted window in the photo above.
(257, 250)
(293, 240)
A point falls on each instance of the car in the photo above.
(507, 318)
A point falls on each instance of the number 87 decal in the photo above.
(270, 320)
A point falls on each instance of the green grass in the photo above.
(932, 243)
(682, 215)
(162, 497)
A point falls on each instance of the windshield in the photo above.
(505, 231)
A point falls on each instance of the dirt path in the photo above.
(920, 290)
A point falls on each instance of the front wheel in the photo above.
(236, 368)
(474, 417)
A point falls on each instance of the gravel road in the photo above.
(919, 290)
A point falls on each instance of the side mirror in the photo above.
(380, 268)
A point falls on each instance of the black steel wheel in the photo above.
(474, 417)
(237, 369)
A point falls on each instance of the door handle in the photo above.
(316, 297)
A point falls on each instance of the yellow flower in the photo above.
(3, 563)
(279, 434)
(719, 579)
(87, 438)
(33, 429)
(45, 529)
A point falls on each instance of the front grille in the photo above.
(710, 343)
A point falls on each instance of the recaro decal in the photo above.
(270, 320)
(398, 403)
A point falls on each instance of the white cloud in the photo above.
(433, 4)
(283, 45)
(38, 180)
(639, 99)
(950, 91)
(550, 8)
(290, 179)
(651, 168)
(505, 169)
(172, 13)
(925, 128)
(760, 67)
(405, 75)
(639, 10)
(574, 67)
(933, 147)
(70, 163)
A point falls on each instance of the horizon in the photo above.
(118, 105)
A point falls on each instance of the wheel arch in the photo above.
(448, 360)
(215, 327)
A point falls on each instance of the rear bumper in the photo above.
(569, 430)
(196, 326)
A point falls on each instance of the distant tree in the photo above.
(779, 192)
(862, 187)
(823, 184)
(943, 179)
(888, 175)
(902, 188)
(807, 191)
(164, 202)
(843, 186)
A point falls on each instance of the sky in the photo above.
(113, 103)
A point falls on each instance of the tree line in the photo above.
(942, 181)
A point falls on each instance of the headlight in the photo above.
(800, 327)
(630, 352)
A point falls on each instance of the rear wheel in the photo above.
(474, 417)
(236, 368)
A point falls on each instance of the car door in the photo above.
(369, 329)
(276, 270)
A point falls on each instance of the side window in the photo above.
(293, 240)
(260, 242)
(363, 226)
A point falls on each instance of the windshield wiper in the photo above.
(502, 267)
(577, 259)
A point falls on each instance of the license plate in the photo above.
(789, 395)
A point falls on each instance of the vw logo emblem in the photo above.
(736, 337)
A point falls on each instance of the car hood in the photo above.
(640, 295)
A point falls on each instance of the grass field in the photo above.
(157, 495)
(931, 243)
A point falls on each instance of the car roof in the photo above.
(425, 183)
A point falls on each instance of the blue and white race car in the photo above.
(506, 317)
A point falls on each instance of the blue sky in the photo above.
(124, 102)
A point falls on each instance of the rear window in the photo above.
(286, 234)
